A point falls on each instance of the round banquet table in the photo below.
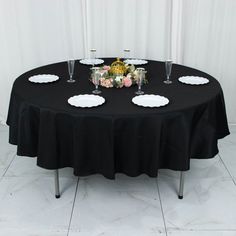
(118, 136)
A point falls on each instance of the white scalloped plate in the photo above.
(87, 61)
(43, 78)
(86, 100)
(135, 61)
(193, 80)
(150, 100)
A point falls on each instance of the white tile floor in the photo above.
(95, 206)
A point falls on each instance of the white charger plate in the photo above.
(43, 78)
(86, 100)
(193, 80)
(150, 100)
(88, 61)
(135, 61)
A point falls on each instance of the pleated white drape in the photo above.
(209, 43)
(198, 33)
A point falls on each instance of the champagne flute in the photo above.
(71, 65)
(96, 75)
(93, 56)
(126, 54)
(140, 78)
(168, 66)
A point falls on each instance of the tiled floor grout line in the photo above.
(72, 210)
(162, 212)
(9, 165)
(227, 169)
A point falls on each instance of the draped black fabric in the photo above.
(117, 136)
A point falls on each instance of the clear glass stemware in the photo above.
(168, 66)
(71, 66)
(93, 56)
(96, 75)
(140, 78)
(126, 54)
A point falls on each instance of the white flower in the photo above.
(132, 68)
(118, 78)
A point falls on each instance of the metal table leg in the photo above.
(57, 190)
(181, 185)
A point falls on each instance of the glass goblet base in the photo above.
(70, 80)
(167, 81)
(139, 92)
(96, 91)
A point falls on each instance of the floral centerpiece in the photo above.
(118, 75)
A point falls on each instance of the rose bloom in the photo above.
(119, 79)
(127, 82)
(106, 83)
(106, 67)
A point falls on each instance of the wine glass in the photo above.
(96, 75)
(140, 78)
(168, 66)
(71, 65)
(93, 55)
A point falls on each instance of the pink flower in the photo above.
(127, 82)
(106, 68)
(106, 83)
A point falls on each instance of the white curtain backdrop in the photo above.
(197, 33)
(209, 43)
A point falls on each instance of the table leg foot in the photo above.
(181, 185)
(57, 188)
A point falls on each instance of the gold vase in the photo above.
(118, 67)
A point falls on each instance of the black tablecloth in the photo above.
(117, 136)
